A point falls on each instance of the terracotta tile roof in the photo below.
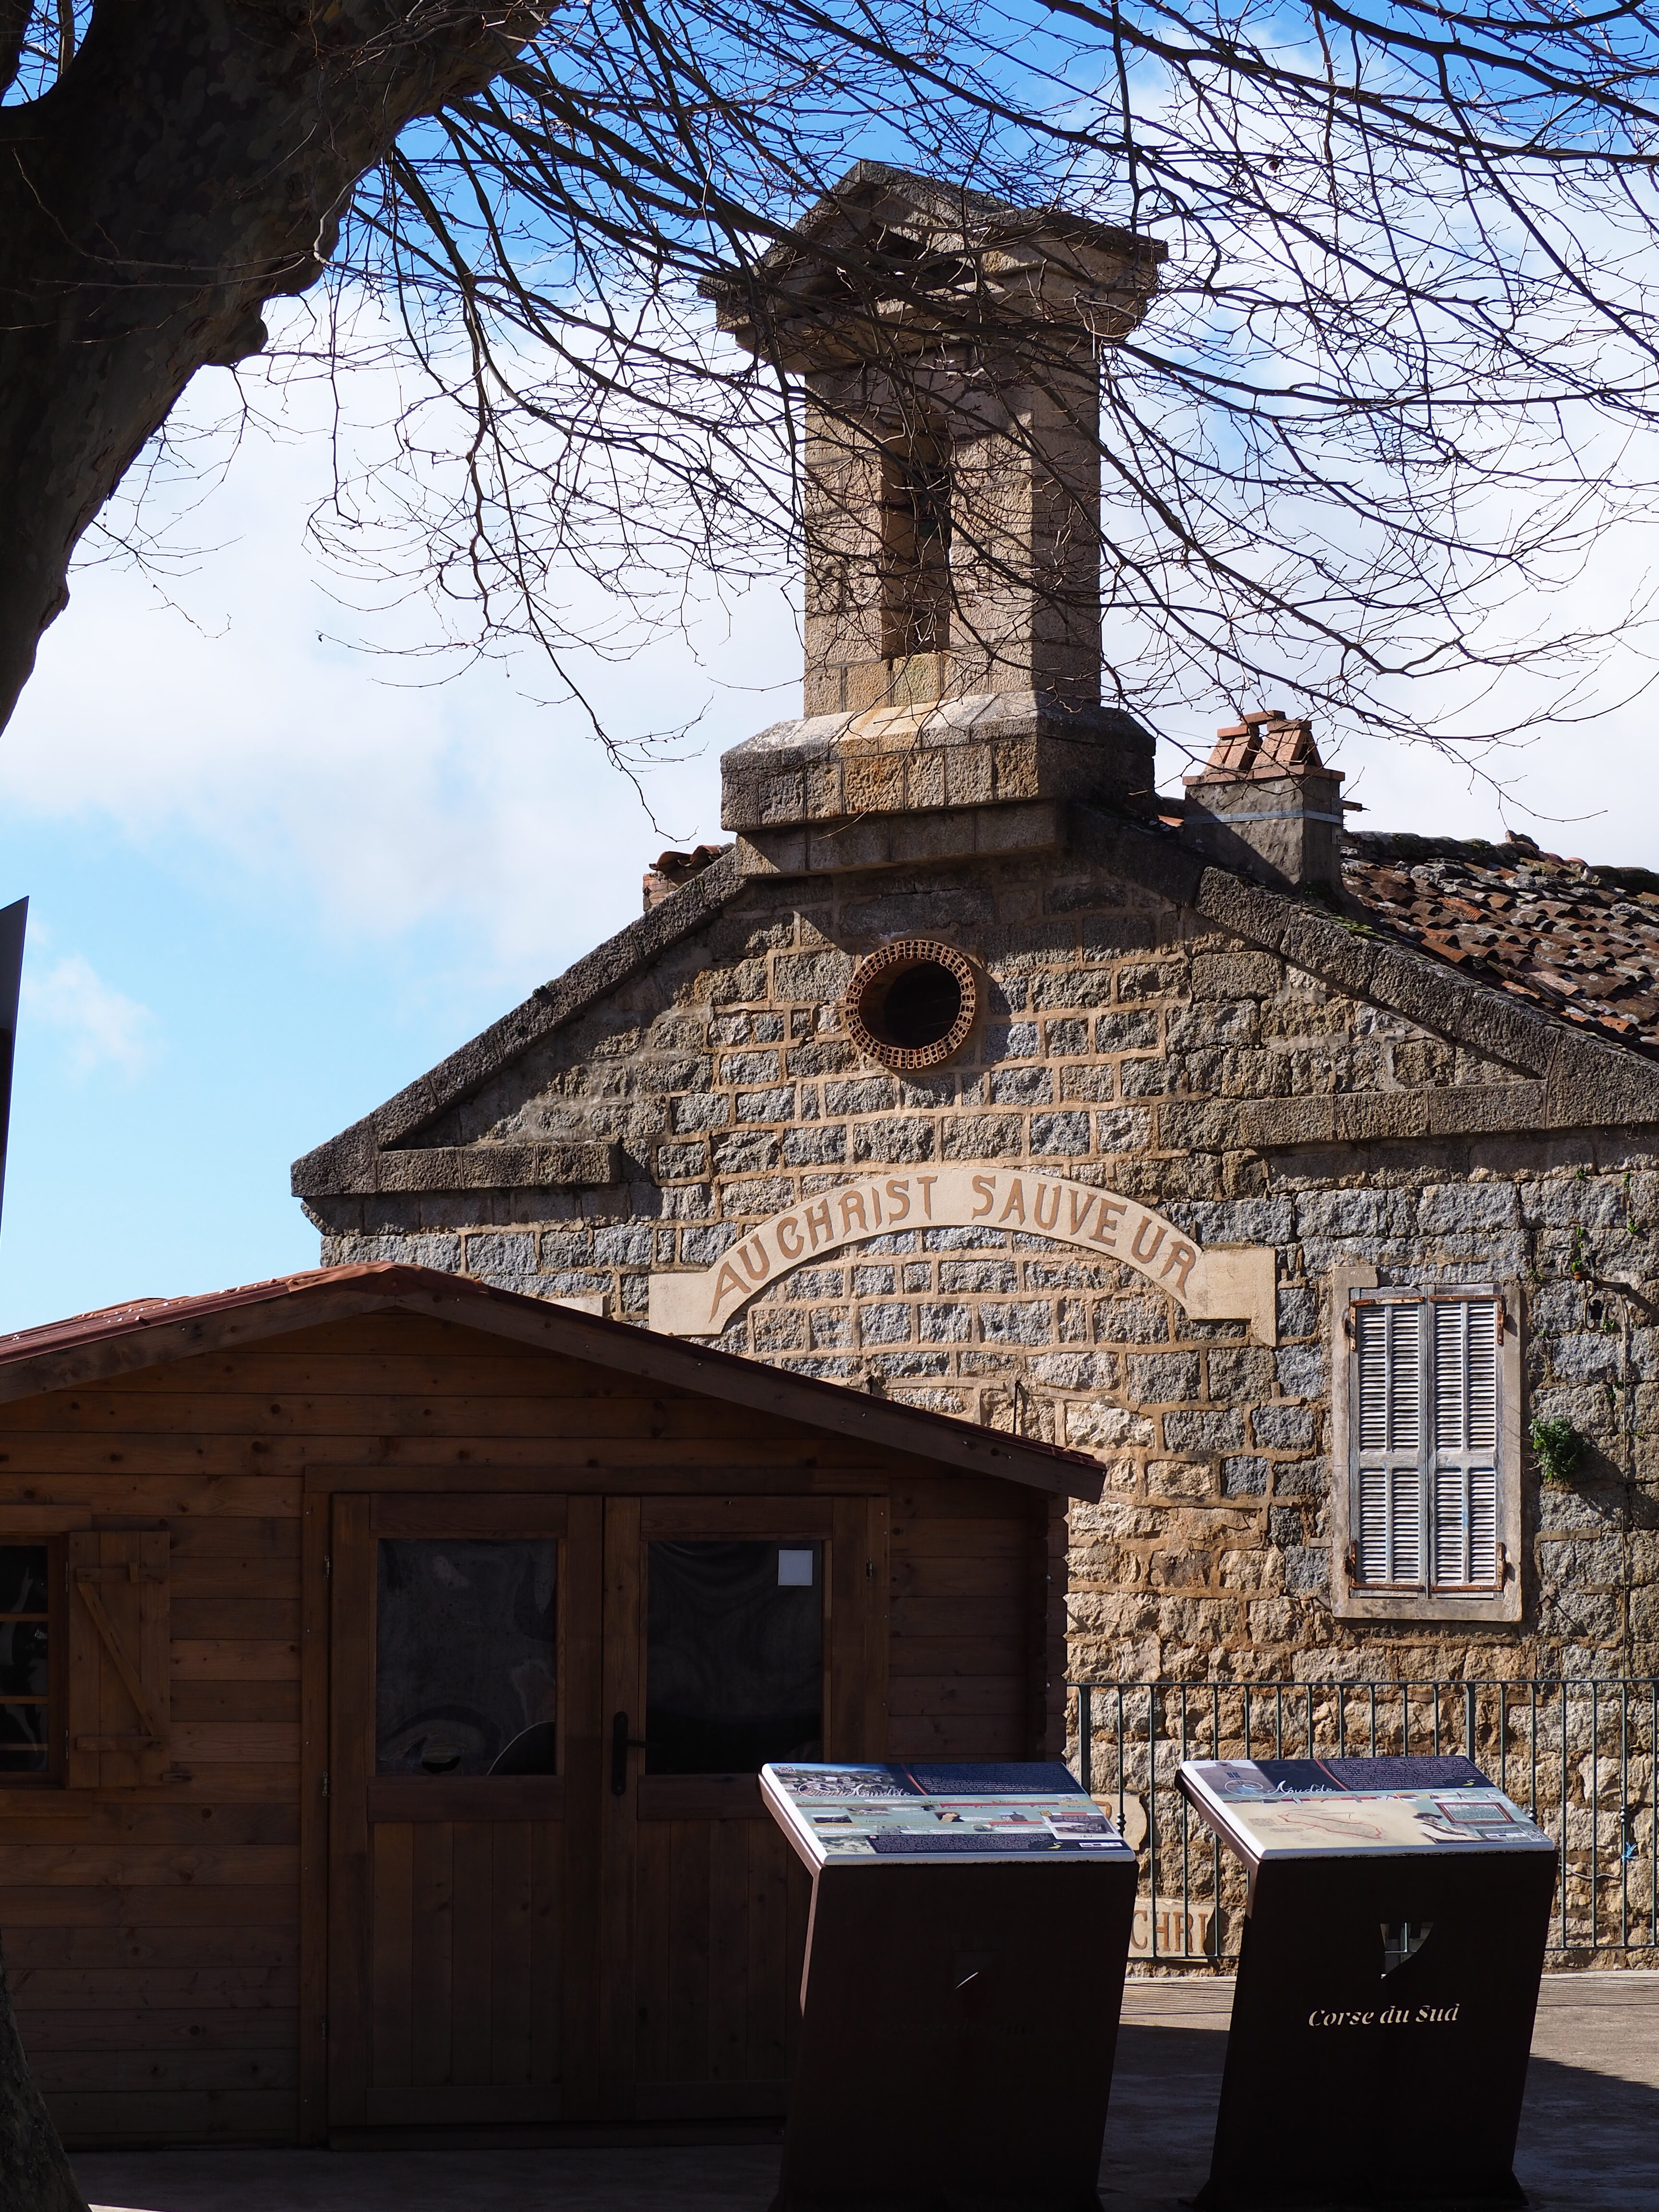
(1578, 941)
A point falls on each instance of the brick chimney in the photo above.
(1267, 806)
(670, 870)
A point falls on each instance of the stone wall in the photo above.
(1131, 1045)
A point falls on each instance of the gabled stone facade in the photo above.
(1190, 1012)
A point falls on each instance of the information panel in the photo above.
(1288, 1808)
(859, 1815)
(964, 1968)
(1398, 1911)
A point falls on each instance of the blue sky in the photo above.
(273, 879)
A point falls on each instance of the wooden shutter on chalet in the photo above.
(118, 1654)
(1425, 1445)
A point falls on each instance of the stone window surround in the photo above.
(1349, 1603)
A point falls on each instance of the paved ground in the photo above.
(1589, 2137)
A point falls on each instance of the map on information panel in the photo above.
(864, 1814)
(1291, 1808)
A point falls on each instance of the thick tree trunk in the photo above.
(34, 2174)
(193, 162)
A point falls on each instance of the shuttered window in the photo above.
(1425, 1388)
(118, 1687)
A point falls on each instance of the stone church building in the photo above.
(1294, 1174)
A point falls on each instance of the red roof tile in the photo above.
(1582, 942)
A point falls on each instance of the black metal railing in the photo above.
(1579, 1756)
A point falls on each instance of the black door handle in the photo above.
(621, 1744)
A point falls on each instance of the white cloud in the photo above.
(232, 737)
(101, 1027)
(215, 721)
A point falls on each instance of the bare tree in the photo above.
(1395, 382)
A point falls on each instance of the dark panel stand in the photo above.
(958, 2027)
(1417, 2104)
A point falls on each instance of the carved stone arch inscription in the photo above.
(1225, 1283)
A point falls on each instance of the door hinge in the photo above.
(325, 1785)
(1351, 1562)
(328, 1566)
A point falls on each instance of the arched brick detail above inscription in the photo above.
(1226, 1283)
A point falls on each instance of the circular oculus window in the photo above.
(911, 1004)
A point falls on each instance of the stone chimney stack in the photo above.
(949, 346)
(1267, 806)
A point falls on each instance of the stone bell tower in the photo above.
(949, 348)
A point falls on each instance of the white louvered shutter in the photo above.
(1464, 1474)
(1391, 1379)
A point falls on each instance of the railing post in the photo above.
(1319, 1711)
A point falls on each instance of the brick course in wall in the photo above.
(1130, 1041)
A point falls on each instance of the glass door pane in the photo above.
(734, 1655)
(466, 1674)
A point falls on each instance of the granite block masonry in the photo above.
(1201, 1084)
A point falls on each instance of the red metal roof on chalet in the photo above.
(179, 1328)
(1574, 941)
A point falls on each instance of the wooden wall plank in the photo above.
(511, 1885)
(238, 1619)
(391, 2000)
(162, 1989)
(690, 1845)
(236, 1743)
(143, 1866)
(202, 1547)
(226, 1659)
(654, 1939)
(471, 1983)
(229, 1943)
(547, 1964)
(702, 1425)
(237, 1701)
(1004, 1696)
(110, 2029)
(432, 1941)
(351, 1738)
(573, 1859)
(24, 1905)
(110, 2072)
(622, 1691)
(1003, 1574)
(728, 1950)
(121, 2118)
(147, 1817)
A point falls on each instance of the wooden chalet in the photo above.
(385, 1663)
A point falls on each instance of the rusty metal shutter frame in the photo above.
(120, 1699)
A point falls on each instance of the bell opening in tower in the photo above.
(915, 545)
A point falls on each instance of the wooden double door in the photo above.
(554, 1896)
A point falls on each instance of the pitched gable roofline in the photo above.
(1571, 1080)
(90, 1348)
(1577, 1081)
(351, 1161)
